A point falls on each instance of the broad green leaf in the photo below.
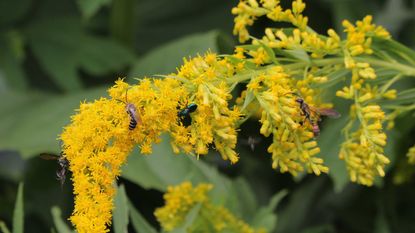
(12, 166)
(163, 168)
(299, 206)
(3, 227)
(90, 7)
(243, 201)
(139, 223)
(18, 213)
(189, 220)
(60, 225)
(169, 20)
(330, 141)
(265, 216)
(33, 121)
(120, 213)
(63, 49)
(166, 58)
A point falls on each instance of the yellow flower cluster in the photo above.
(181, 199)
(302, 43)
(363, 149)
(293, 146)
(248, 11)
(359, 37)
(310, 42)
(95, 157)
(214, 122)
(100, 136)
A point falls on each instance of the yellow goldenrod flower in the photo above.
(179, 201)
(248, 11)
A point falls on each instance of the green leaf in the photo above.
(334, 78)
(299, 54)
(12, 166)
(60, 225)
(265, 217)
(189, 220)
(34, 121)
(299, 206)
(90, 7)
(166, 58)
(163, 168)
(330, 141)
(3, 227)
(248, 99)
(243, 201)
(403, 97)
(395, 48)
(120, 214)
(18, 213)
(63, 48)
(139, 223)
(171, 20)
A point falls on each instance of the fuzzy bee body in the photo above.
(132, 112)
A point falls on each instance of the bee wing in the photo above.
(47, 156)
(328, 112)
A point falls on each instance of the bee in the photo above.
(251, 141)
(134, 118)
(132, 113)
(184, 114)
(63, 165)
(307, 111)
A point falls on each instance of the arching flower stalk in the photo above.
(278, 72)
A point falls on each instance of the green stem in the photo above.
(390, 83)
(404, 69)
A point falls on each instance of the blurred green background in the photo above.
(54, 54)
